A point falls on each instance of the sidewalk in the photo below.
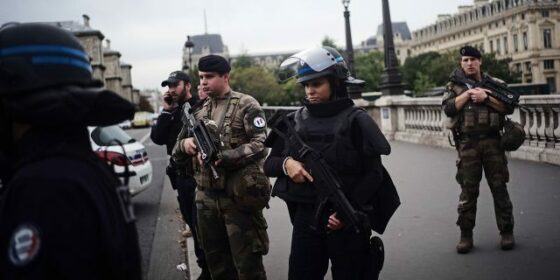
(166, 250)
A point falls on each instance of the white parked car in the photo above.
(103, 143)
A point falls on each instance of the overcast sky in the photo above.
(150, 33)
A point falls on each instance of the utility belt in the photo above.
(477, 136)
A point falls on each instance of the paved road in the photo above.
(420, 240)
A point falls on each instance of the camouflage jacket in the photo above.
(473, 117)
(241, 127)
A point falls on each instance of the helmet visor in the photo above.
(307, 62)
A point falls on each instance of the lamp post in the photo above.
(349, 47)
(391, 80)
(189, 46)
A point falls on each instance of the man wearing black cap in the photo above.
(165, 132)
(477, 119)
(232, 227)
(63, 212)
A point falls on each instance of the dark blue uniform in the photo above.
(63, 215)
(352, 146)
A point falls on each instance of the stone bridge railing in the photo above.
(421, 120)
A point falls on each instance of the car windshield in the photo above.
(110, 136)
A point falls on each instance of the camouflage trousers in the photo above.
(233, 241)
(474, 157)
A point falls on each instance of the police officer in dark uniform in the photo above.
(63, 214)
(477, 119)
(165, 132)
(352, 145)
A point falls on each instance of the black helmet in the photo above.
(513, 135)
(314, 63)
(36, 56)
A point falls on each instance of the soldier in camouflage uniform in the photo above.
(231, 224)
(477, 119)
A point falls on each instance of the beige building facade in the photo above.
(105, 62)
(527, 31)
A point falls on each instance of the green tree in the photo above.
(422, 84)
(243, 61)
(329, 42)
(369, 67)
(144, 104)
(422, 63)
(256, 81)
(499, 68)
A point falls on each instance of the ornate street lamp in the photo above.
(349, 47)
(189, 45)
(391, 80)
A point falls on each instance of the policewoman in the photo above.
(352, 144)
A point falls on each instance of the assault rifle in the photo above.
(497, 90)
(325, 181)
(204, 141)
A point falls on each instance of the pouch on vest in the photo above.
(250, 188)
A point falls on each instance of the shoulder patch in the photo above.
(259, 122)
(25, 244)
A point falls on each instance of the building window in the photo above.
(518, 67)
(525, 41)
(548, 64)
(498, 46)
(523, 16)
(545, 13)
(491, 46)
(506, 48)
(547, 38)
(515, 46)
(528, 67)
(551, 81)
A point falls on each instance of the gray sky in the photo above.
(150, 33)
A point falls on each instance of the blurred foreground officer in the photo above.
(351, 144)
(478, 119)
(232, 228)
(64, 213)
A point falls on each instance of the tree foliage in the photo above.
(369, 67)
(257, 82)
(432, 69)
(144, 104)
(243, 61)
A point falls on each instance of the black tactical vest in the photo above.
(331, 137)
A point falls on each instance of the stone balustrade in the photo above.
(421, 120)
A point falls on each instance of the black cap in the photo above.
(175, 77)
(214, 63)
(469, 51)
